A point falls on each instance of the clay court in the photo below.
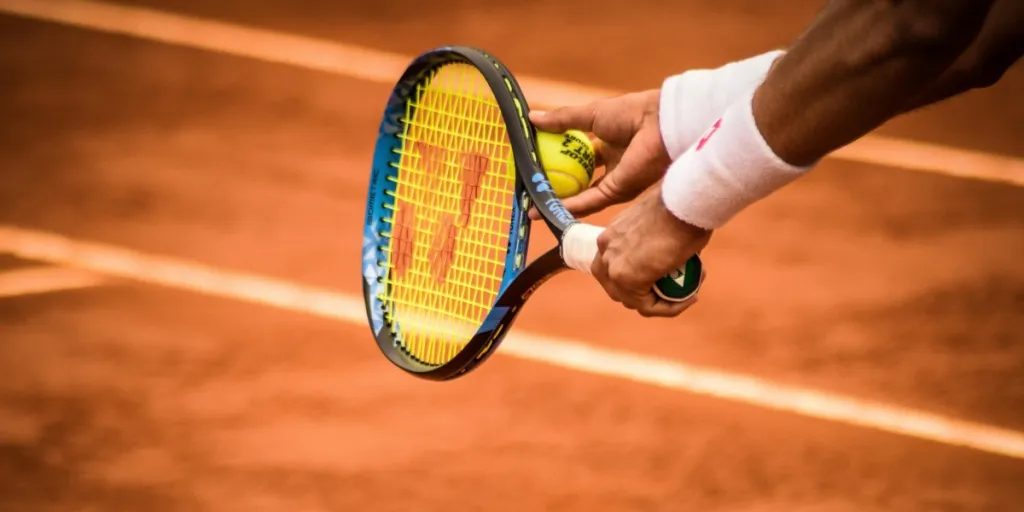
(181, 207)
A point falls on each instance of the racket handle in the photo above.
(579, 248)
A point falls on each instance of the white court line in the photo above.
(565, 353)
(384, 67)
(36, 280)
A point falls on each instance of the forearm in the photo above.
(998, 47)
(860, 64)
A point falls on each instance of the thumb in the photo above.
(565, 118)
(630, 177)
(591, 200)
(605, 193)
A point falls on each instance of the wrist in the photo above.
(689, 102)
(730, 168)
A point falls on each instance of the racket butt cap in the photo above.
(680, 285)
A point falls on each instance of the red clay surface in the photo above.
(874, 282)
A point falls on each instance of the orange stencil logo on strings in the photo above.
(473, 166)
(441, 253)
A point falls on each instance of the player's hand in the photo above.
(641, 244)
(629, 145)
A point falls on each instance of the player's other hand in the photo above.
(641, 244)
(629, 145)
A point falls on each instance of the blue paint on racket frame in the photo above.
(374, 259)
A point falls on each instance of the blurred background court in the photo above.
(123, 387)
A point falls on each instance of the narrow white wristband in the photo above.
(730, 168)
(691, 101)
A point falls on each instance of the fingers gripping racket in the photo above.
(455, 170)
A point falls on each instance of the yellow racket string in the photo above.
(450, 214)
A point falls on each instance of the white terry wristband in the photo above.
(727, 170)
(691, 101)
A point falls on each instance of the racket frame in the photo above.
(531, 188)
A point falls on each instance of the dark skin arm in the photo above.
(861, 63)
(620, 121)
(998, 47)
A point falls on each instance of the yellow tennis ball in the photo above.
(568, 159)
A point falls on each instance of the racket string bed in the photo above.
(432, 315)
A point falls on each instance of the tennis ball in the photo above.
(568, 159)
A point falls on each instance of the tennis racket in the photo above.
(455, 170)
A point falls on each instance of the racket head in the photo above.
(434, 268)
